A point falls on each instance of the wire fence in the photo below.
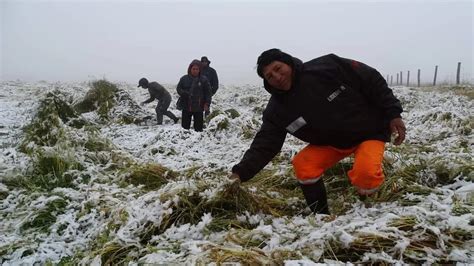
(399, 80)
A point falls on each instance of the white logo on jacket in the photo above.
(295, 125)
(336, 93)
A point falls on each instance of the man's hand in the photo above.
(398, 128)
(235, 177)
(232, 186)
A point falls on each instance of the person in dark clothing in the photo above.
(195, 93)
(339, 107)
(211, 75)
(162, 95)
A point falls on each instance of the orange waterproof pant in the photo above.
(366, 173)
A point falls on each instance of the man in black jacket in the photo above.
(162, 95)
(339, 106)
(211, 75)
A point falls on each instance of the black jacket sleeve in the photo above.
(206, 87)
(149, 100)
(373, 86)
(215, 81)
(266, 144)
(179, 88)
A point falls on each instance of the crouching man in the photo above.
(339, 107)
(162, 95)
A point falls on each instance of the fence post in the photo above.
(458, 73)
(418, 77)
(408, 78)
(435, 74)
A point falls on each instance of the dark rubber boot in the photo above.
(316, 198)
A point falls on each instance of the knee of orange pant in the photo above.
(366, 179)
(298, 159)
(305, 168)
(307, 172)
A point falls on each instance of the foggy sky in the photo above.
(127, 40)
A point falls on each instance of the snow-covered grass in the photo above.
(111, 186)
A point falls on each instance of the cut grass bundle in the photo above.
(46, 127)
(269, 180)
(231, 200)
(151, 176)
(234, 197)
(101, 97)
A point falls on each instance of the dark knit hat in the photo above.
(204, 59)
(271, 55)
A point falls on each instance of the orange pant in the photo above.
(366, 173)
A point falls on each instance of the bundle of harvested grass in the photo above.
(100, 97)
(46, 128)
(151, 176)
(233, 197)
(231, 200)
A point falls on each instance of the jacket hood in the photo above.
(296, 66)
(197, 63)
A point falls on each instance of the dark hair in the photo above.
(197, 63)
(271, 55)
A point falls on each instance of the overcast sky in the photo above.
(127, 40)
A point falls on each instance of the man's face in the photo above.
(279, 75)
(205, 63)
(194, 71)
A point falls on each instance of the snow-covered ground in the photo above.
(102, 220)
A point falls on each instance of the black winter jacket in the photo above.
(211, 75)
(333, 101)
(195, 93)
(157, 92)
